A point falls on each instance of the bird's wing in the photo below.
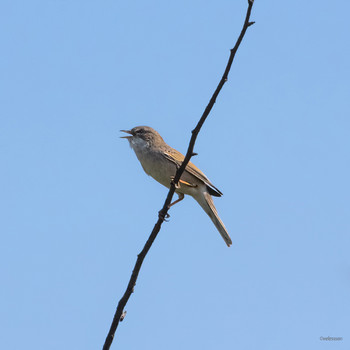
(177, 158)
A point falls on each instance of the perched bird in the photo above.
(161, 161)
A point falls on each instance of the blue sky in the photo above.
(76, 207)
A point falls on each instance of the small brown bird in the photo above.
(161, 161)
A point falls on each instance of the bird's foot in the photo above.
(163, 216)
(172, 182)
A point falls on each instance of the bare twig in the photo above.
(118, 316)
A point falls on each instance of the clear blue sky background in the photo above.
(76, 207)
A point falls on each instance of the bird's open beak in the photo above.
(128, 132)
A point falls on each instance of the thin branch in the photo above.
(164, 211)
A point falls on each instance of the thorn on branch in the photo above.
(122, 316)
(194, 154)
(250, 23)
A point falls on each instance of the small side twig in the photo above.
(120, 313)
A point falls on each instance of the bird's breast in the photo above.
(156, 165)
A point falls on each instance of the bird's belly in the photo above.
(166, 173)
(160, 169)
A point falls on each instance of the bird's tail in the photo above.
(206, 202)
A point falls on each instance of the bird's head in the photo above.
(142, 136)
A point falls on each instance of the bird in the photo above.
(161, 162)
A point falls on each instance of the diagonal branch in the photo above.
(163, 213)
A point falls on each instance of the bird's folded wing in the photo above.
(177, 158)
